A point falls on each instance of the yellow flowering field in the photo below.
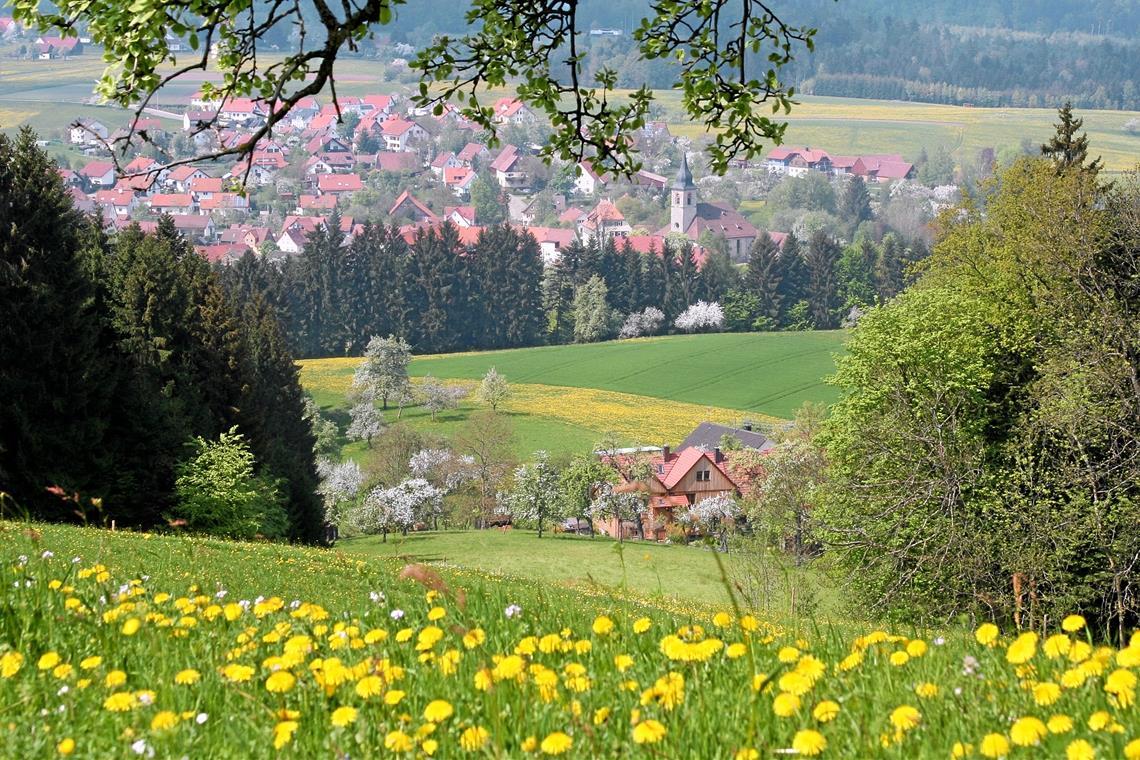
(119, 645)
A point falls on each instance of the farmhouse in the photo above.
(676, 480)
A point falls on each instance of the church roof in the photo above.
(684, 180)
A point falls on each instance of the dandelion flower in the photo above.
(120, 701)
(601, 715)
(623, 662)
(90, 663)
(1028, 732)
(280, 682)
(641, 625)
(436, 613)
(164, 721)
(788, 654)
(1046, 693)
(809, 742)
(283, 733)
(1120, 681)
(1099, 720)
(994, 745)
(746, 753)
(648, 732)
(986, 634)
(1132, 750)
(369, 686)
(1073, 623)
(131, 626)
(10, 664)
(398, 741)
(905, 717)
(556, 743)
(926, 690)
(47, 661)
(735, 650)
(1080, 750)
(473, 739)
(1060, 724)
(602, 625)
(474, 638)
(825, 711)
(343, 716)
(722, 620)
(1023, 649)
(65, 747)
(438, 710)
(961, 749)
(187, 677)
(1057, 645)
(785, 705)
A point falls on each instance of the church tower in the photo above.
(684, 205)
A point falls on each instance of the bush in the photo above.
(219, 494)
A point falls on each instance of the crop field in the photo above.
(124, 645)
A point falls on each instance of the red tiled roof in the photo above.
(505, 159)
(470, 151)
(407, 197)
(388, 161)
(456, 175)
(171, 200)
(206, 184)
(339, 183)
(96, 168)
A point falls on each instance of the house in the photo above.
(693, 219)
(512, 111)
(588, 181)
(195, 227)
(180, 177)
(604, 221)
(446, 160)
(98, 174)
(317, 205)
(175, 204)
(647, 178)
(204, 187)
(407, 206)
(88, 132)
(571, 215)
(200, 101)
(221, 253)
(709, 435)
(460, 216)
(377, 104)
(387, 161)
(508, 171)
(70, 178)
(242, 111)
(196, 120)
(338, 184)
(48, 48)
(796, 162)
(552, 241)
(675, 481)
(121, 200)
(399, 133)
(327, 142)
(224, 202)
(888, 167)
(459, 179)
(472, 152)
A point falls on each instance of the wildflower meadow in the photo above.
(124, 645)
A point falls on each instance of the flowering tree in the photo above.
(325, 431)
(493, 390)
(579, 482)
(716, 515)
(340, 485)
(398, 507)
(443, 469)
(623, 506)
(534, 495)
(366, 422)
(438, 397)
(641, 323)
(385, 368)
(701, 316)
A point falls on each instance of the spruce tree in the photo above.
(855, 203)
(1067, 148)
(763, 275)
(889, 268)
(822, 294)
(791, 287)
(56, 381)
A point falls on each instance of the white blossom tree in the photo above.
(398, 507)
(385, 369)
(702, 315)
(623, 506)
(437, 397)
(325, 431)
(442, 468)
(640, 323)
(493, 390)
(366, 421)
(716, 515)
(340, 485)
(534, 494)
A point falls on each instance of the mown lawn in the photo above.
(685, 573)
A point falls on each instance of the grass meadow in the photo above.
(135, 645)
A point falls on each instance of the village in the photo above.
(378, 159)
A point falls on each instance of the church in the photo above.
(691, 218)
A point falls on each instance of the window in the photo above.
(703, 476)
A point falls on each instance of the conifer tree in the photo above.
(889, 267)
(822, 294)
(855, 203)
(1067, 148)
(792, 283)
(763, 275)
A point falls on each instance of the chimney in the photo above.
(665, 453)
(718, 457)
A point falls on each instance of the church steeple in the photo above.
(683, 208)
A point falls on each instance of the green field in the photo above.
(649, 570)
(116, 644)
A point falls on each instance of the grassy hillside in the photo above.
(125, 645)
(764, 373)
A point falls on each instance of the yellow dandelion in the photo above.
(474, 638)
(1023, 648)
(438, 710)
(1046, 693)
(1132, 750)
(530, 744)
(10, 664)
(131, 626)
(1072, 623)
(556, 743)
(90, 663)
(283, 733)
(65, 747)
(994, 745)
(601, 715)
(905, 717)
(63, 670)
(899, 658)
(735, 650)
(926, 690)
(436, 613)
(187, 677)
(788, 655)
(164, 721)
(1080, 750)
(961, 749)
(280, 682)
(602, 625)
(809, 742)
(623, 662)
(393, 697)
(1060, 724)
(641, 625)
(648, 732)
(795, 683)
(916, 648)
(1099, 720)
(1120, 681)
(722, 619)
(47, 661)
(825, 711)
(369, 686)
(343, 716)
(1057, 645)
(120, 701)
(785, 705)
(474, 738)
(986, 634)
(397, 741)
(1028, 732)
